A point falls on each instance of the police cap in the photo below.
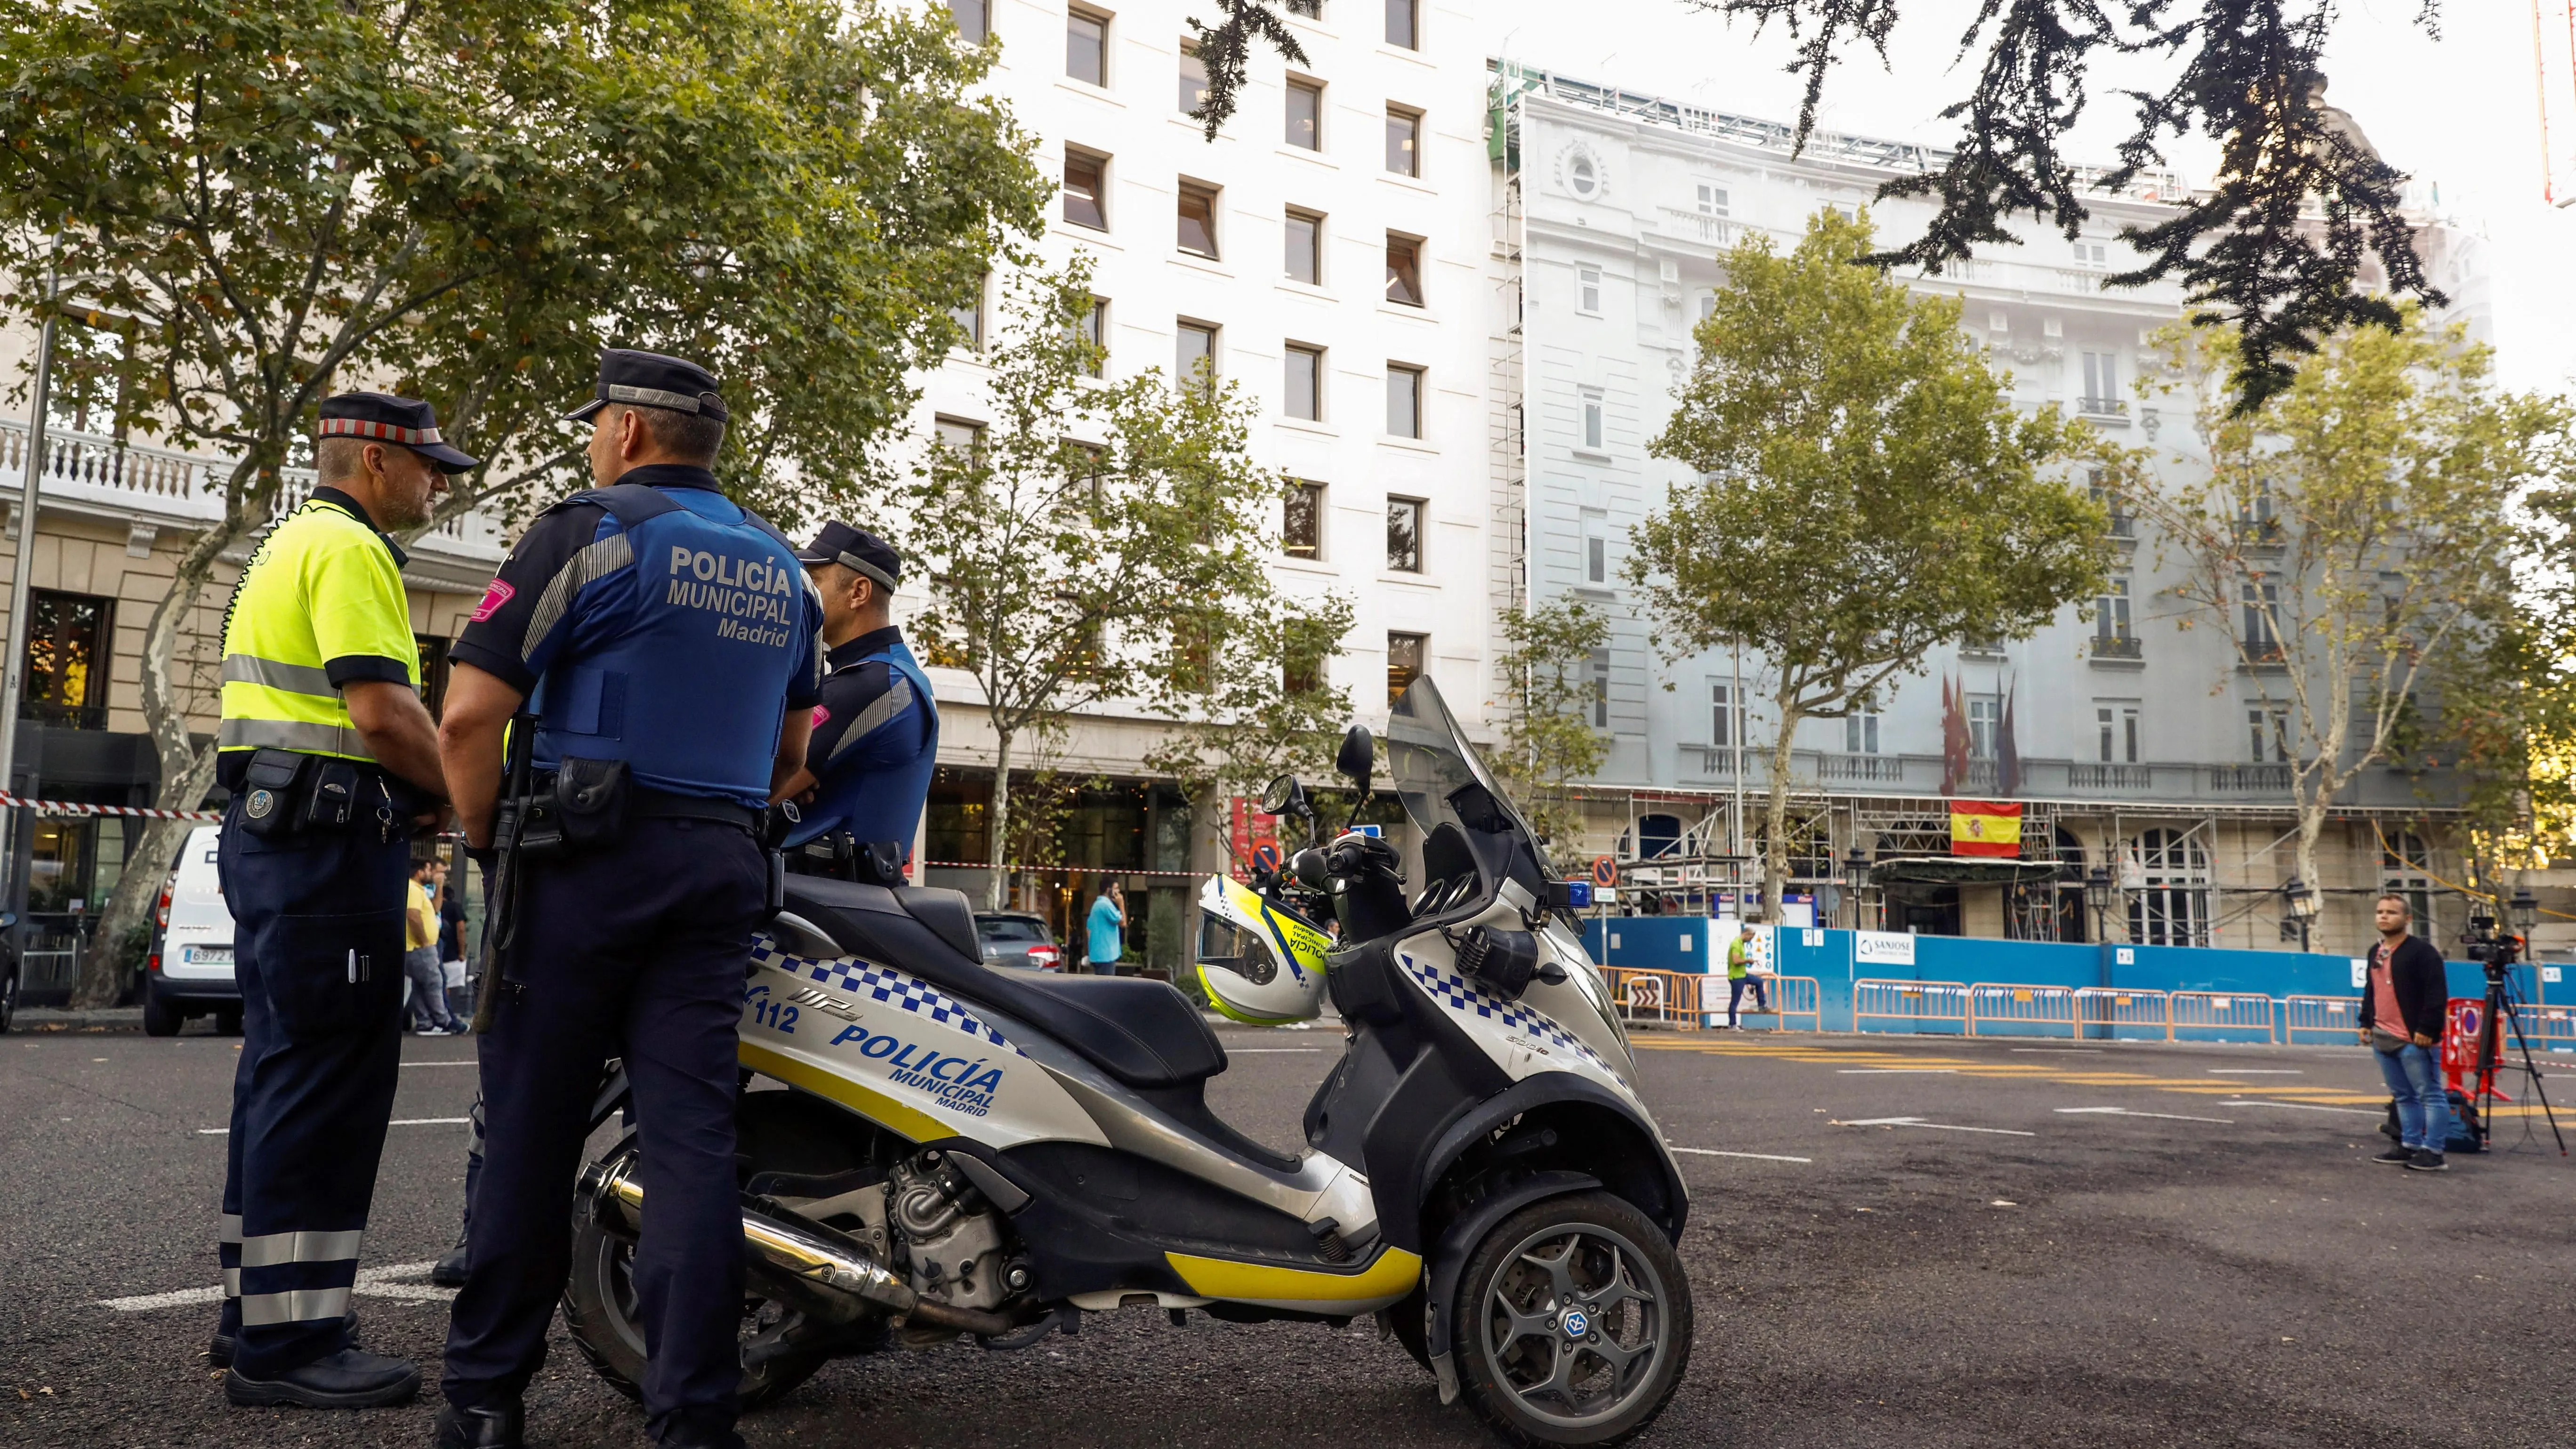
(380, 417)
(855, 549)
(651, 380)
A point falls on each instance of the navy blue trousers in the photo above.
(317, 942)
(636, 951)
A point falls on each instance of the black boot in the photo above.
(219, 1349)
(491, 1426)
(349, 1379)
(449, 1272)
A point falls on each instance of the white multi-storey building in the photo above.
(2145, 749)
(1328, 253)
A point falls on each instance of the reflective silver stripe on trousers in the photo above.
(232, 1282)
(279, 734)
(291, 678)
(896, 699)
(271, 1249)
(228, 1229)
(304, 1305)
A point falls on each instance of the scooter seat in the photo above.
(1144, 1033)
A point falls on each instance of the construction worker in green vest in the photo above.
(1739, 974)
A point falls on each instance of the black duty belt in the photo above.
(644, 803)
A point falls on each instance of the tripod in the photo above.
(2502, 1011)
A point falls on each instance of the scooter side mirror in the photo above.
(1284, 797)
(1358, 757)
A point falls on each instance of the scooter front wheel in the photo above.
(1573, 1322)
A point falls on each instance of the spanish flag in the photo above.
(1985, 827)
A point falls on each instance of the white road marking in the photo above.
(1757, 1156)
(2310, 1107)
(2054, 1051)
(2125, 1112)
(1934, 1126)
(442, 1064)
(372, 1283)
(2256, 1072)
(397, 1122)
(1894, 1071)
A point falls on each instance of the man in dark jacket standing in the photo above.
(2402, 1016)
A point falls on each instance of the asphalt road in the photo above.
(2105, 1279)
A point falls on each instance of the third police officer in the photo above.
(876, 734)
(665, 646)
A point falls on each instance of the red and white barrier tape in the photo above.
(76, 807)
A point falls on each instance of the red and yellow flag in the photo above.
(1985, 827)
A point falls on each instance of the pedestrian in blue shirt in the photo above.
(1108, 925)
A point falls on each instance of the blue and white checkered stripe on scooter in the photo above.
(1461, 995)
(879, 983)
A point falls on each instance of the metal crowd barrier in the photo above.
(1688, 1001)
(1937, 1008)
(2328, 1020)
(1792, 997)
(2004, 1009)
(2120, 1013)
(2548, 1028)
(1654, 998)
(2219, 1011)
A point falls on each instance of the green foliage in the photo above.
(2351, 539)
(1867, 490)
(1103, 541)
(1549, 741)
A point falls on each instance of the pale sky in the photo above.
(2461, 111)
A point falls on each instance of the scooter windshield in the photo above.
(1451, 797)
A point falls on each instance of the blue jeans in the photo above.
(2423, 1106)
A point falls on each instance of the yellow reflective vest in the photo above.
(319, 607)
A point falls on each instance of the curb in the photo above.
(32, 1019)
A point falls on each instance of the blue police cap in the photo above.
(855, 549)
(651, 380)
(380, 417)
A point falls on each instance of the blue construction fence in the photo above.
(1835, 959)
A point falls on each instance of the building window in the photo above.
(2101, 383)
(1301, 534)
(1593, 430)
(1587, 291)
(1092, 330)
(1194, 358)
(1725, 717)
(2111, 613)
(2171, 907)
(1600, 682)
(974, 19)
(2406, 871)
(1403, 270)
(1306, 9)
(2093, 256)
(1583, 176)
(1306, 248)
(2116, 725)
(1712, 200)
(1404, 654)
(958, 436)
(1194, 82)
(1985, 725)
(1085, 194)
(433, 672)
(2267, 732)
(2098, 485)
(1403, 142)
(1403, 25)
(970, 318)
(1403, 400)
(1305, 390)
(1086, 47)
(1305, 115)
(1860, 731)
(69, 642)
(1198, 220)
(2262, 600)
(1404, 535)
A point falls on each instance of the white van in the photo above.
(190, 971)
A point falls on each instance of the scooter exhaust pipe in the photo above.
(830, 1278)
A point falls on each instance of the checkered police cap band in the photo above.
(380, 432)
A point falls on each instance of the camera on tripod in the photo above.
(2495, 949)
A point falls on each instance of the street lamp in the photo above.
(2097, 894)
(2303, 907)
(1856, 880)
(2522, 912)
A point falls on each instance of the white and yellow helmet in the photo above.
(1259, 963)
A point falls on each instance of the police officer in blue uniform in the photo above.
(876, 733)
(667, 650)
(333, 763)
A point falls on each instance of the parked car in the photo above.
(8, 970)
(1017, 942)
(190, 971)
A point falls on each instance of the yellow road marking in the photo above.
(2317, 1094)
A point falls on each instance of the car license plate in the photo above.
(210, 955)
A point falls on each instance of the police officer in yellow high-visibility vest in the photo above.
(333, 763)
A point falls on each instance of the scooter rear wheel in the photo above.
(1573, 1322)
